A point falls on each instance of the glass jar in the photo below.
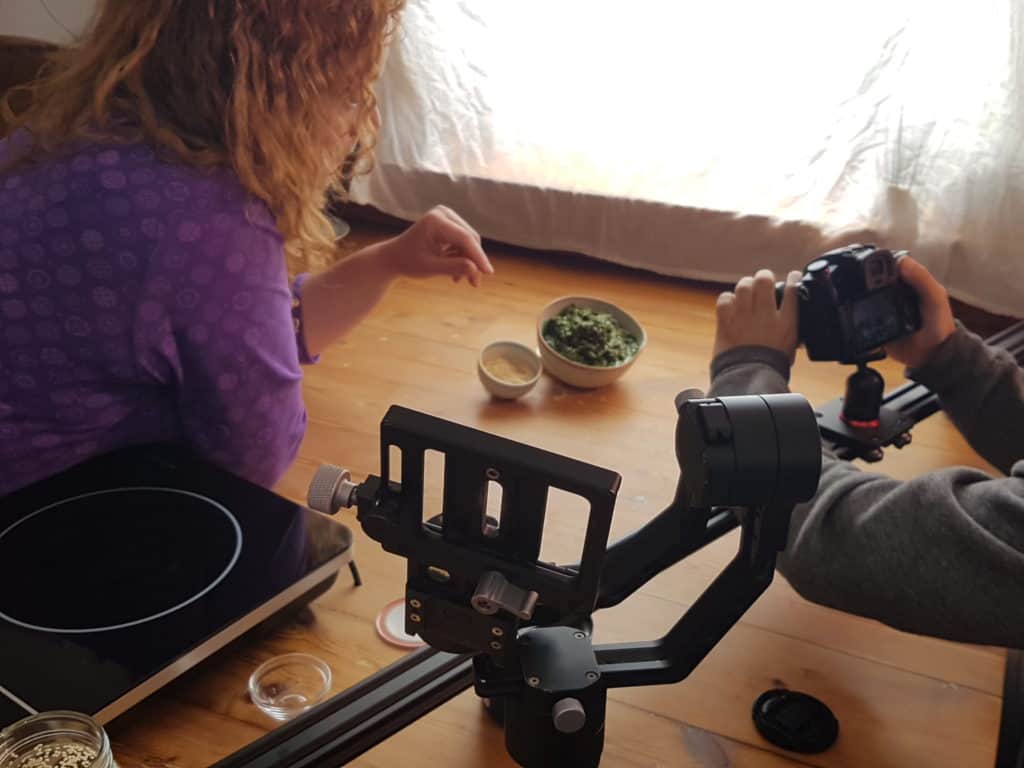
(50, 739)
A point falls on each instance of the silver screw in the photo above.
(579, 635)
(497, 631)
(415, 618)
(533, 682)
(493, 474)
(592, 675)
(415, 603)
(496, 645)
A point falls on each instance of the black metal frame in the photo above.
(461, 541)
(383, 704)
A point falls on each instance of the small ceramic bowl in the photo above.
(577, 374)
(519, 356)
(288, 685)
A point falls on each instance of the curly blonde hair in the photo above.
(278, 90)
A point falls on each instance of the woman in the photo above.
(171, 174)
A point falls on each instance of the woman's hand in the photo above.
(750, 317)
(440, 243)
(937, 323)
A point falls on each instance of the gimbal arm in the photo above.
(665, 540)
(671, 658)
(757, 455)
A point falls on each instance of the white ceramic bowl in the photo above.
(522, 355)
(578, 374)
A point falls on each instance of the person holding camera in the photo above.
(942, 554)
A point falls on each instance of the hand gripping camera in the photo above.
(852, 303)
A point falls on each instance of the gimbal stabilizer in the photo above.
(479, 592)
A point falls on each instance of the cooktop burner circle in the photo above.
(114, 559)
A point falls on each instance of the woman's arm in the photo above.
(335, 301)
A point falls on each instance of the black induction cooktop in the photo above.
(123, 572)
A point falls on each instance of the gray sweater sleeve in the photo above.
(942, 554)
(982, 390)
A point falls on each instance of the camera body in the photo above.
(852, 302)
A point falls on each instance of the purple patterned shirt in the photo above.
(142, 300)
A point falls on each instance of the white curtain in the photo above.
(705, 139)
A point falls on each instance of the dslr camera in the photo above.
(852, 302)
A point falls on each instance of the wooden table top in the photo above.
(901, 700)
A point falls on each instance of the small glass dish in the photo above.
(288, 685)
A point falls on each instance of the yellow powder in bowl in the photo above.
(506, 369)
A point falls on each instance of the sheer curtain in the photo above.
(706, 139)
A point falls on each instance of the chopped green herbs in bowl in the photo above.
(588, 336)
(587, 342)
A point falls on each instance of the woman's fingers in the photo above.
(448, 213)
(455, 266)
(449, 233)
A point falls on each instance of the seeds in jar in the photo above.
(58, 756)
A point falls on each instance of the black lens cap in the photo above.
(795, 721)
